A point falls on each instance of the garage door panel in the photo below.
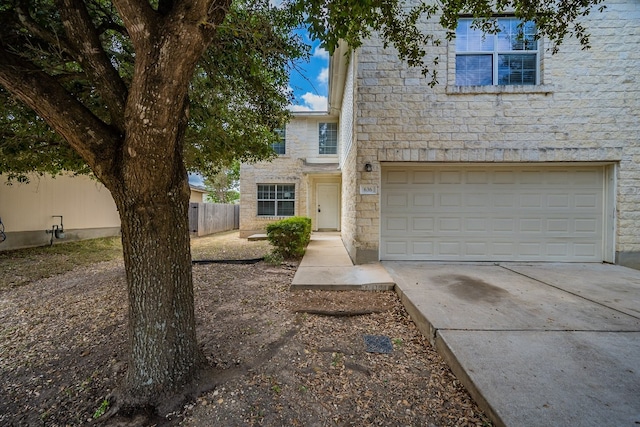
(504, 200)
(478, 249)
(585, 249)
(397, 200)
(476, 225)
(477, 177)
(586, 226)
(498, 213)
(587, 201)
(423, 224)
(450, 200)
(423, 177)
(478, 200)
(397, 224)
(422, 248)
(423, 199)
(397, 177)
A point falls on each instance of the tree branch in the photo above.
(51, 38)
(139, 20)
(92, 139)
(82, 34)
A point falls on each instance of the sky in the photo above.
(309, 81)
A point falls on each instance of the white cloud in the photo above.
(312, 102)
(323, 77)
(316, 102)
(320, 52)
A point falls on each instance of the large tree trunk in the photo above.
(138, 155)
(163, 350)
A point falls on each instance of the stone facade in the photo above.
(586, 109)
(301, 165)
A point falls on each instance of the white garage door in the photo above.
(492, 213)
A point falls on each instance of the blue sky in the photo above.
(309, 81)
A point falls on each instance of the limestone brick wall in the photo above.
(301, 145)
(587, 109)
(348, 162)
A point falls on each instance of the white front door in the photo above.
(328, 206)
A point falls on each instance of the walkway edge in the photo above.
(449, 357)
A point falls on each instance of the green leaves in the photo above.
(239, 93)
(27, 144)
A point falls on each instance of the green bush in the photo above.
(290, 236)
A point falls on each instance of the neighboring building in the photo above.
(31, 211)
(515, 155)
(198, 194)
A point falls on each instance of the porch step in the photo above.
(256, 237)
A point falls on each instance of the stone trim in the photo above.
(499, 89)
(613, 154)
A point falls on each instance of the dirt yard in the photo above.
(63, 351)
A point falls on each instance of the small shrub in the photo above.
(290, 236)
(273, 259)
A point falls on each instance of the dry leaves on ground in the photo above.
(63, 351)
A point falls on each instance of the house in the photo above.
(304, 180)
(515, 155)
(198, 193)
(79, 205)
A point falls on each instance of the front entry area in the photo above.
(490, 212)
(328, 206)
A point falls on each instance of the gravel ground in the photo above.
(272, 362)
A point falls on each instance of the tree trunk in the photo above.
(163, 351)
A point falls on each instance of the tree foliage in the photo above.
(238, 94)
(223, 186)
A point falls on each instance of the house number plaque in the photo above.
(368, 189)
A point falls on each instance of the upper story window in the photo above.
(280, 146)
(509, 57)
(276, 199)
(328, 138)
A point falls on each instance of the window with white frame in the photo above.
(276, 199)
(280, 146)
(509, 57)
(328, 138)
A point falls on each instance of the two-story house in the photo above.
(304, 180)
(517, 154)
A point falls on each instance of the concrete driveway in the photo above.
(535, 344)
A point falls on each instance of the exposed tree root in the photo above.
(122, 413)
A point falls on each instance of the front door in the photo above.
(328, 209)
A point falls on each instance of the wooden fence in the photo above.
(209, 218)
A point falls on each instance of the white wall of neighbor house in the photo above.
(27, 209)
(586, 109)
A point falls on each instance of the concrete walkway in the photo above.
(535, 344)
(326, 266)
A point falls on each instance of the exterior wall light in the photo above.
(368, 167)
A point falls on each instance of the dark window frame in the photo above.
(275, 200)
(510, 57)
(328, 138)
